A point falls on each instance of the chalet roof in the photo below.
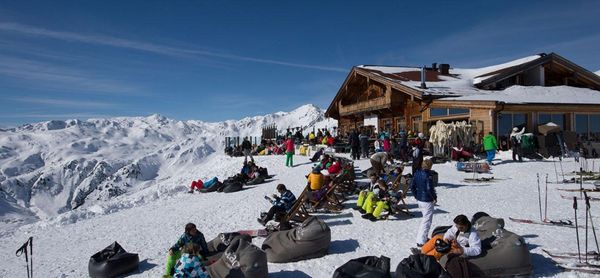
(459, 82)
(535, 95)
(478, 83)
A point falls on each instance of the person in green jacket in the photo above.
(490, 146)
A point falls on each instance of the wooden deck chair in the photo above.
(298, 212)
(401, 184)
(327, 200)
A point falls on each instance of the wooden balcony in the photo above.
(365, 106)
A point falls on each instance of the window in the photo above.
(416, 122)
(506, 122)
(441, 112)
(558, 119)
(587, 126)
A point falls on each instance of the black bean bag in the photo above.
(112, 261)
(257, 180)
(419, 266)
(232, 187)
(309, 240)
(369, 266)
(240, 259)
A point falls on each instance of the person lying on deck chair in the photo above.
(281, 204)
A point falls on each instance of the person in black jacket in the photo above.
(354, 144)
(247, 150)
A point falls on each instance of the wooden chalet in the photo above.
(526, 92)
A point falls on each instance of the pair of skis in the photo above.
(584, 266)
(544, 216)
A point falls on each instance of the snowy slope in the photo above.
(50, 168)
(598, 72)
(62, 249)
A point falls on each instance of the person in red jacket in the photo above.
(197, 185)
(335, 168)
(330, 141)
(289, 152)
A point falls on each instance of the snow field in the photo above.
(62, 249)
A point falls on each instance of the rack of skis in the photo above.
(585, 260)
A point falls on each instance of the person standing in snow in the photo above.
(378, 162)
(423, 189)
(364, 144)
(354, 144)
(403, 145)
(247, 149)
(490, 146)
(191, 235)
(515, 143)
(289, 152)
(387, 146)
(418, 153)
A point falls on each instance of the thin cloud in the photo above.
(65, 102)
(148, 47)
(54, 116)
(47, 76)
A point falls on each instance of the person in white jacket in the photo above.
(515, 142)
(463, 237)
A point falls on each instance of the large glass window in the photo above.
(441, 112)
(587, 127)
(506, 122)
(558, 119)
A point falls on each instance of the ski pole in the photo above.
(586, 233)
(546, 200)
(581, 183)
(555, 171)
(23, 250)
(587, 203)
(539, 196)
(576, 227)
(31, 252)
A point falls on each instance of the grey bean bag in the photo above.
(504, 253)
(217, 246)
(240, 259)
(309, 240)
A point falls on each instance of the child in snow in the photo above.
(190, 264)
(191, 235)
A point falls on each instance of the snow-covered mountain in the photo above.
(53, 167)
(597, 72)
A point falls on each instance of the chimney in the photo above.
(423, 78)
(445, 69)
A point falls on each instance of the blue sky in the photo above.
(217, 60)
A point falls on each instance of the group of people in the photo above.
(490, 145)
(399, 147)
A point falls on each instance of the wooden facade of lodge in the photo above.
(525, 92)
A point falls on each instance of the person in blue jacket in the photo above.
(281, 204)
(424, 191)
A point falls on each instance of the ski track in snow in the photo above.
(150, 228)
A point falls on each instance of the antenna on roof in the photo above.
(423, 85)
